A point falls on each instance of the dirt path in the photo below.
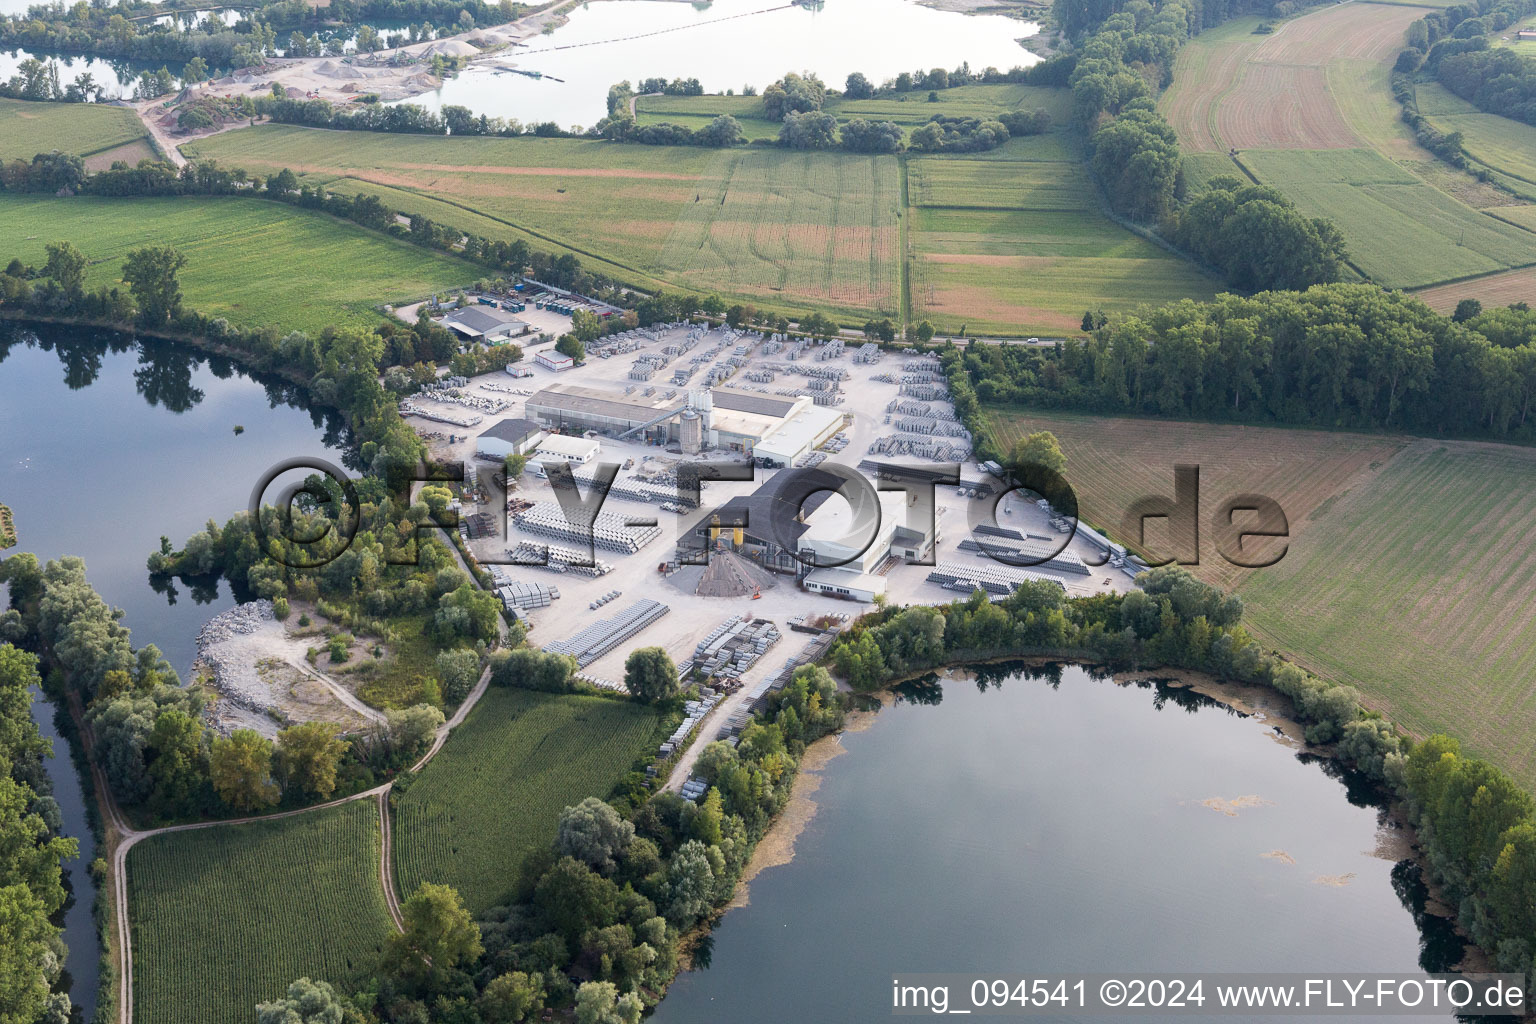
(163, 142)
(339, 692)
(127, 838)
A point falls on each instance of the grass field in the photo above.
(496, 791)
(1409, 571)
(1016, 241)
(1399, 230)
(785, 233)
(770, 225)
(283, 900)
(912, 108)
(1309, 110)
(1417, 588)
(1113, 461)
(1498, 143)
(248, 260)
(78, 129)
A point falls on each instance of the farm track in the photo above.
(129, 837)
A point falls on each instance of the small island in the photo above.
(7, 528)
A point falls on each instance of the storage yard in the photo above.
(713, 576)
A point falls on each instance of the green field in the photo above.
(697, 111)
(1418, 589)
(1015, 240)
(496, 791)
(1498, 143)
(1006, 242)
(248, 260)
(764, 226)
(1399, 230)
(78, 129)
(284, 899)
(912, 108)
(768, 224)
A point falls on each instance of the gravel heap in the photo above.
(233, 664)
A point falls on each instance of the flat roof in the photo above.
(513, 430)
(751, 401)
(575, 399)
(847, 579)
(833, 522)
(808, 425)
(562, 444)
(479, 319)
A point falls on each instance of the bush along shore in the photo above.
(1476, 826)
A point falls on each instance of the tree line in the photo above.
(1124, 57)
(1453, 45)
(1477, 826)
(130, 29)
(591, 924)
(1350, 356)
(31, 880)
(796, 102)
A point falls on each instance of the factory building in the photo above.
(578, 451)
(770, 529)
(833, 536)
(572, 407)
(798, 436)
(509, 437)
(484, 323)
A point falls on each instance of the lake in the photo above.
(1085, 827)
(106, 443)
(726, 45)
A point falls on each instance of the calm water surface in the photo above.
(105, 445)
(1031, 828)
(727, 45)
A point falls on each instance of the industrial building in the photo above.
(509, 437)
(770, 529)
(723, 417)
(578, 451)
(552, 360)
(797, 437)
(573, 407)
(484, 323)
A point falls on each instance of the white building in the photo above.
(798, 435)
(552, 360)
(509, 437)
(578, 451)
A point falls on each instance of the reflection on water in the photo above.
(726, 45)
(1052, 821)
(106, 443)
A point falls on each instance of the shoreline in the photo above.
(777, 846)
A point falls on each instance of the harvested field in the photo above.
(799, 227)
(1019, 243)
(1493, 290)
(1113, 461)
(1234, 89)
(1205, 70)
(1417, 587)
(1275, 106)
(129, 153)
